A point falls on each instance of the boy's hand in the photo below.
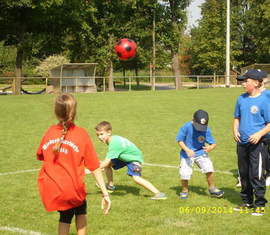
(255, 138)
(236, 135)
(190, 153)
(106, 204)
(208, 148)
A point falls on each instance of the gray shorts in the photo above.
(203, 162)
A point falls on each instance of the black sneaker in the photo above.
(243, 207)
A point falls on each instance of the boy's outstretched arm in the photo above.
(189, 152)
(105, 202)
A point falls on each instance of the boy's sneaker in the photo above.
(259, 211)
(183, 195)
(243, 207)
(110, 188)
(216, 193)
(159, 196)
(238, 184)
(267, 181)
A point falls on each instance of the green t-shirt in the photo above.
(124, 150)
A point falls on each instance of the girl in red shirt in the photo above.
(65, 150)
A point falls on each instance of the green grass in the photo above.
(149, 119)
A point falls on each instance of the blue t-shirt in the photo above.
(193, 139)
(254, 114)
(266, 92)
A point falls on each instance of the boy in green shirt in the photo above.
(123, 153)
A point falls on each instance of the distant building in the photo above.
(73, 77)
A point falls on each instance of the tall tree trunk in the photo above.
(110, 82)
(176, 70)
(111, 86)
(16, 88)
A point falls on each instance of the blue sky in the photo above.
(194, 12)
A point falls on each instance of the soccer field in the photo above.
(150, 120)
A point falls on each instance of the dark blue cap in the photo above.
(200, 120)
(255, 74)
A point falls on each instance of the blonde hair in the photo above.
(104, 125)
(65, 111)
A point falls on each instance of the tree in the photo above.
(174, 20)
(250, 31)
(256, 37)
(49, 63)
(35, 27)
(208, 39)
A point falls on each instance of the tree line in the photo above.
(250, 36)
(87, 30)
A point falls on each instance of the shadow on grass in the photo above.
(126, 189)
(193, 189)
(122, 190)
(230, 194)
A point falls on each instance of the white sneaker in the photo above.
(267, 181)
(238, 184)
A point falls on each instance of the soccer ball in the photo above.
(125, 49)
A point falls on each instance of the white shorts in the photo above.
(203, 162)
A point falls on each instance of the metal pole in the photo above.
(154, 51)
(227, 83)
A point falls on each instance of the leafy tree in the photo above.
(49, 63)
(250, 31)
(174, 19)
(35, 27)
(208, 39)
(256, 38)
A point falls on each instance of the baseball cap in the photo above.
(200, 120)
(255, 74)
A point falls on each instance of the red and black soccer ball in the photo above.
(125, 49)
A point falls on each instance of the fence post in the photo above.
(198, 82)
(104, 84)
(129, 83)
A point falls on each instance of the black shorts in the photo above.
(67, 215)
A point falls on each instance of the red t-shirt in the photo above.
(61, 178)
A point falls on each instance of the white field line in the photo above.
(18, 172)
(88, 172)
(20, 231)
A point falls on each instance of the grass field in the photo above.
(149, 119)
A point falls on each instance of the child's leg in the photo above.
(184, 184)
(146, 184)
(210, 180)
(63, 228)
(206, 166)
(109, 174)
(81, 223)
(185, 173)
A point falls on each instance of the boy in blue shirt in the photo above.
(196, 141)
(251, 125)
